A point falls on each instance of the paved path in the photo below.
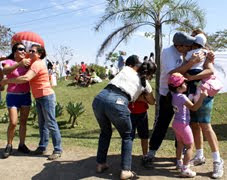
(79, 163)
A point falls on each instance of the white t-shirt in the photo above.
(128, 81)
(200, 64)
(170, 59)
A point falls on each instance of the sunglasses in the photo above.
(32, 51)
(21, 49)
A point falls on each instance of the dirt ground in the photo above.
(79, 163)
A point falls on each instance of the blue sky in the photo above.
(71, 23)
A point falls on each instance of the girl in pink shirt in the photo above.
(18, 97)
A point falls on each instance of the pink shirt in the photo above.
(40, 84)
(16, 88)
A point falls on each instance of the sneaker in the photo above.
(8, 150)
(101, 167)
(54, 156)
(197, 161)
(218, 169)
(188, 173)
(126, 174)
(23, 149)
(179, 165)
(39, 151)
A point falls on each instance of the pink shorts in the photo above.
(183, 133)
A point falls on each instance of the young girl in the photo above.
(183, 132)
(139, 116)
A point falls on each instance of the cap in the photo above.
(133, 60)
(201, 39)
(176, 79)
(181, 38)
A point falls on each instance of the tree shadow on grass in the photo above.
(85, 168)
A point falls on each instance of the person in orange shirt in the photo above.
(37, 76)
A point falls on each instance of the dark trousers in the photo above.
(165, 115)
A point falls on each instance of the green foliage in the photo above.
(100, 70)
(33, 112)
(59, 109)
(5, 118)
(2, 104)
(218, 40)
(112, 57)
(74, 110)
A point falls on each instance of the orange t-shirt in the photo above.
(40, 84)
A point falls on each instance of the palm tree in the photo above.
(134, 14)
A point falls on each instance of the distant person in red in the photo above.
(83, 67)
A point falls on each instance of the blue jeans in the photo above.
(47, 123)
(112, 107)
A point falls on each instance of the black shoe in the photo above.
(23, 149)
(39, 151)
(8, 150)
(147, 162)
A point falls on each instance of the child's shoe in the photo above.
(188, 173)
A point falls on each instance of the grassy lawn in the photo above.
(87, 132)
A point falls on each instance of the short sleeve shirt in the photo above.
(16, 88)
(170, 59)
(40, 84)
(182, 113)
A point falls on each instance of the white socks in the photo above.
(216, 156)
(199, 153)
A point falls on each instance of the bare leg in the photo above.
(24, 112)
(198, 135)
(144, 145)
(179, 150)
(188, 154)
(12, 124)
(210, 136)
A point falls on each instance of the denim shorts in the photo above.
(17, 100)
(140, 122)
(203, 114)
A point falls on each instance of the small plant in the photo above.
(2, 104)
(58, 109)
(5, 118)
(33, 112)
(74, 110)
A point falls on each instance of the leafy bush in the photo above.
(5, 118)
(59, 109)
(2, 104)
(74, 110)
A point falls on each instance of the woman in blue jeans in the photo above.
(110, 106)
(38, 78)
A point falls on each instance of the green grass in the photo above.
(87, 132)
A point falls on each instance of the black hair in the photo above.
(14, 49)
(145, 58)
(172, 88)
(40, 50)
(151, 54)
(146, 69)
(132, 61)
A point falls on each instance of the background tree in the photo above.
(134, 14)
(63, 54)
(5, 38)
(218, 40)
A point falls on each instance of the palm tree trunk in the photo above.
(158, 49)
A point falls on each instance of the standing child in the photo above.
(139, 117)
(181, 127)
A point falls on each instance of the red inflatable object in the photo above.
(27, 38)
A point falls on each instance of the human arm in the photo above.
(19, 80)
(196, 106)
(195, 58)
(8, 69)
(208, 71)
